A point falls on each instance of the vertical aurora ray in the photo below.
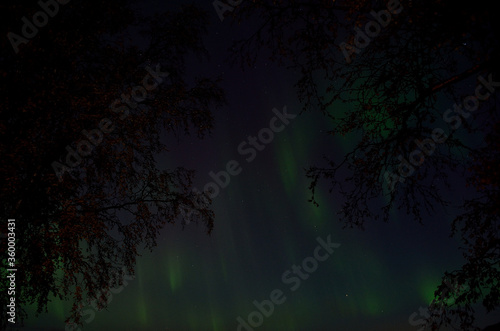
(173, 270)
(287, 167)
(142, 310)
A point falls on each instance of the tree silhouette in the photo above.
(87, 106)
(403, 81)
(478, 279)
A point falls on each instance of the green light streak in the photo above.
(174, 272)
(287, 166)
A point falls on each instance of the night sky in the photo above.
(375, 280)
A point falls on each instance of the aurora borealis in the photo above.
(265, 224)
(375, 280)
